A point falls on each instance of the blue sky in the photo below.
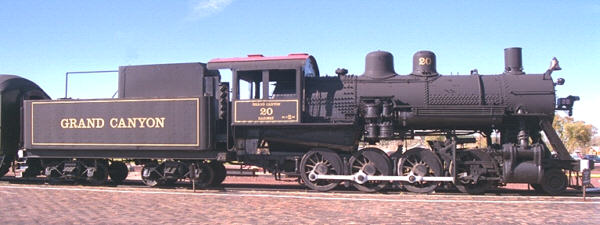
(41, 40)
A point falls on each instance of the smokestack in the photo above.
(513, 62)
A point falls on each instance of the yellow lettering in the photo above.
(64, 123)
(72, 122)
(142, 120)
(121, 123)
(91, 123)
(150, 123)
(131, 123)
(113, 122)
(81, 123)
(160, 122)
(99, 123)
(424, 61)
(266, 111)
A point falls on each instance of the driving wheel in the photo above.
(371, 162)
(419, 162)
(321, 162)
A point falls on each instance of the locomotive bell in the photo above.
(513, 63)
(379, 65)
(424, 64)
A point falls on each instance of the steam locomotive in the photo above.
(181, 121)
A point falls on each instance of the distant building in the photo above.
(594, 150)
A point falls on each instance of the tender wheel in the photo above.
(97, 175)
(34, 168)
(420, 162)
(52, 172)
(54, 178)
(170, 181)
(321, 161)
(202, 175)
(220, 173)
(152, 175)
(465, 182)
(554, 182)
(537, 188)
(118, 172)
(373, 162)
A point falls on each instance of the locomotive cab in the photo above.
(272, 123)
(267, 90)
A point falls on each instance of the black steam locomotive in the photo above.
(180, 121)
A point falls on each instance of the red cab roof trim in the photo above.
(260, 57)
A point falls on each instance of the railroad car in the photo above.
(182, 121)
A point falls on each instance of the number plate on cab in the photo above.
(266, 111)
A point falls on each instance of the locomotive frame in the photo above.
(295, 122)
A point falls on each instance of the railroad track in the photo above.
(289, 186)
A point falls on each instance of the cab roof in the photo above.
(260, 62)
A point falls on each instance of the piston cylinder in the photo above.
(371, 131)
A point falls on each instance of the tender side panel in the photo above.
(138, 124)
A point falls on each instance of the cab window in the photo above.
(250, 83)
(281, 84)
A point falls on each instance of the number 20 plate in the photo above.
(266, 111)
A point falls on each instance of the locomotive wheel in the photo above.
(34, 168)
(118, 172)
(55, 176)
(554, 181)
(4, 164)
(100, 175)
(373, 162)
(220, 173)
(465, 186)
(170, 181)
(203, 175)
(537, 188)
(321, 161)
(420, 162)
(151, 175)
(54, 179)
